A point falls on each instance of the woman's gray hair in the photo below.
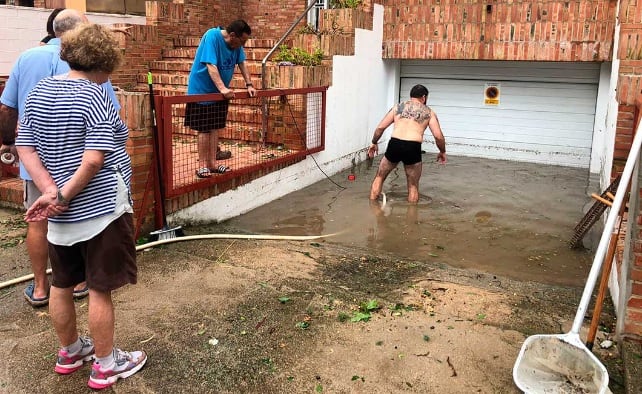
(67, 20)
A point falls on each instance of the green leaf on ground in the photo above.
(368, 306)
(283, 300)
(302, 325)
(360, 316)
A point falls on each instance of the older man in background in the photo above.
(32, 66)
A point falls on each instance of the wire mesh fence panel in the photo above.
(215, 140)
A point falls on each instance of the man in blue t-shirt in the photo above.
(32, 66)
(218, 53)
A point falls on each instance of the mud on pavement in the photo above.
(241, 316)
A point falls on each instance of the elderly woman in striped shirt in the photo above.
(72, 142)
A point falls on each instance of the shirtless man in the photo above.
(411, 119)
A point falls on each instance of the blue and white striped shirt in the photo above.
(63, 118)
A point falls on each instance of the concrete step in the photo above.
(185, 42)
(184, 66)
(178, 53)
(169, 90)
(190, 52)
(243, 111)
(164, 79)
(179, 66)
(180, 79)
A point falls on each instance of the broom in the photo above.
(165, 232)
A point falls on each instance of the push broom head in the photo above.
(166, 233)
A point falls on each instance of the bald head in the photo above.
(67, 20)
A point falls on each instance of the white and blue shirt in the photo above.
(63, 118)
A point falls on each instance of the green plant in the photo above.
(365, 311)
(345, 3)
(299, 56)
(308, 29)
(334, 30)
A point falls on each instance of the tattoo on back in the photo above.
(415, 111)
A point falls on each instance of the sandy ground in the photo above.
(243, 316)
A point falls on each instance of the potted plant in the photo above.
(331, 41)
(297, 68)
(346, 15)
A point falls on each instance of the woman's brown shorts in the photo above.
(106, 262)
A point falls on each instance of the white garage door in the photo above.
(543, 113)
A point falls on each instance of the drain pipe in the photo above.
(192, 238)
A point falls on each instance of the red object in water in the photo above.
(351, 177)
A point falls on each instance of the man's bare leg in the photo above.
(63, 315)
(213, 141)
(413, 173)
(382, 173)
(204, 151)
(38, 251)
(101, 321)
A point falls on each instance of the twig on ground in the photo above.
(451, 366)
(7, 293)
(218, 260)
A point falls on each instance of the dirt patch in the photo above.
(231, 316)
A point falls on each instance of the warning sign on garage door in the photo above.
(491, 93)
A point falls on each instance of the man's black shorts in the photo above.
(206, 117)
(409, 152)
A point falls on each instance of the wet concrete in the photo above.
(505, 218)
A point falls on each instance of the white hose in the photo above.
(265, 237)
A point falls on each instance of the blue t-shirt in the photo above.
(33, 65)
(213, 50)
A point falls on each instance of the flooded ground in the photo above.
(345, 315)
(506, 218)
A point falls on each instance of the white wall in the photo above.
(603, 137)
(360, 95)
(22, 28)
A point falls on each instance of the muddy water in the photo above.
(506, 218)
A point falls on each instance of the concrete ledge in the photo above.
(632, 359)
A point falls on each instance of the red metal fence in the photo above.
(275, 127)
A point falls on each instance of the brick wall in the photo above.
(142, 45)
(269, 19)
(499, 30)
(135, 112)
(190, 17)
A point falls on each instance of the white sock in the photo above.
(74, 347)
(107, 362)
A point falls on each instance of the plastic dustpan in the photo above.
(559, 364)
